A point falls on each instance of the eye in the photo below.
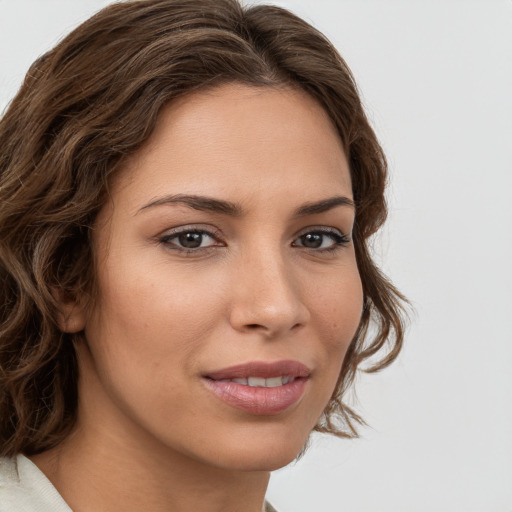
(322, 239)
(190, 239)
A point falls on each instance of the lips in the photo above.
(260, 388)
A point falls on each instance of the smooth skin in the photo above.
(258, 265)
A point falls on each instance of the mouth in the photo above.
(260, 382)
(260, 388)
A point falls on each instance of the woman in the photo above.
(186, 197)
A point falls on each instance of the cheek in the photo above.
(337, 316)
(148, 317)
(145, 335)
(338, 307)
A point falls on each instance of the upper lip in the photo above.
(261, 369)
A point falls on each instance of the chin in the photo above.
(263, 461)
(267, 451)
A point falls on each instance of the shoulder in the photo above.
(269, 507)
(10, 489)
(23, 487)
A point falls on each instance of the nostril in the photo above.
(254, 326)
(268, 316)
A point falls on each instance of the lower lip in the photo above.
(258, 400)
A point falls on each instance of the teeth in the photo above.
(274, 382)
(256, 382)
(259, 382)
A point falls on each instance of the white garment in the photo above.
(24, 488)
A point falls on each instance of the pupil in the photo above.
(312, 240)
(190, 240)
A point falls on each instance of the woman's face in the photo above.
(225, 253)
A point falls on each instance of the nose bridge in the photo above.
(267, 294)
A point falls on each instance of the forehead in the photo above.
(241, 138)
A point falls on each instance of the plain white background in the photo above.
(436, 78)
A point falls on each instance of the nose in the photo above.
(266, 297)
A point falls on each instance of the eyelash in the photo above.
(339, 239)
(166, 240)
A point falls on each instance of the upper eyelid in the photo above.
(338, 237)
(211, 231)
(166, 239)
(218, 235)
(322, 229)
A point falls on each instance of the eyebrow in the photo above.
(210, 204)
(202, 203)
(324, 205)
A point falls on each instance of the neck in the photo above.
(111, 463)
(105, 478)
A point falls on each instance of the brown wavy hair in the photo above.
(94, 100)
